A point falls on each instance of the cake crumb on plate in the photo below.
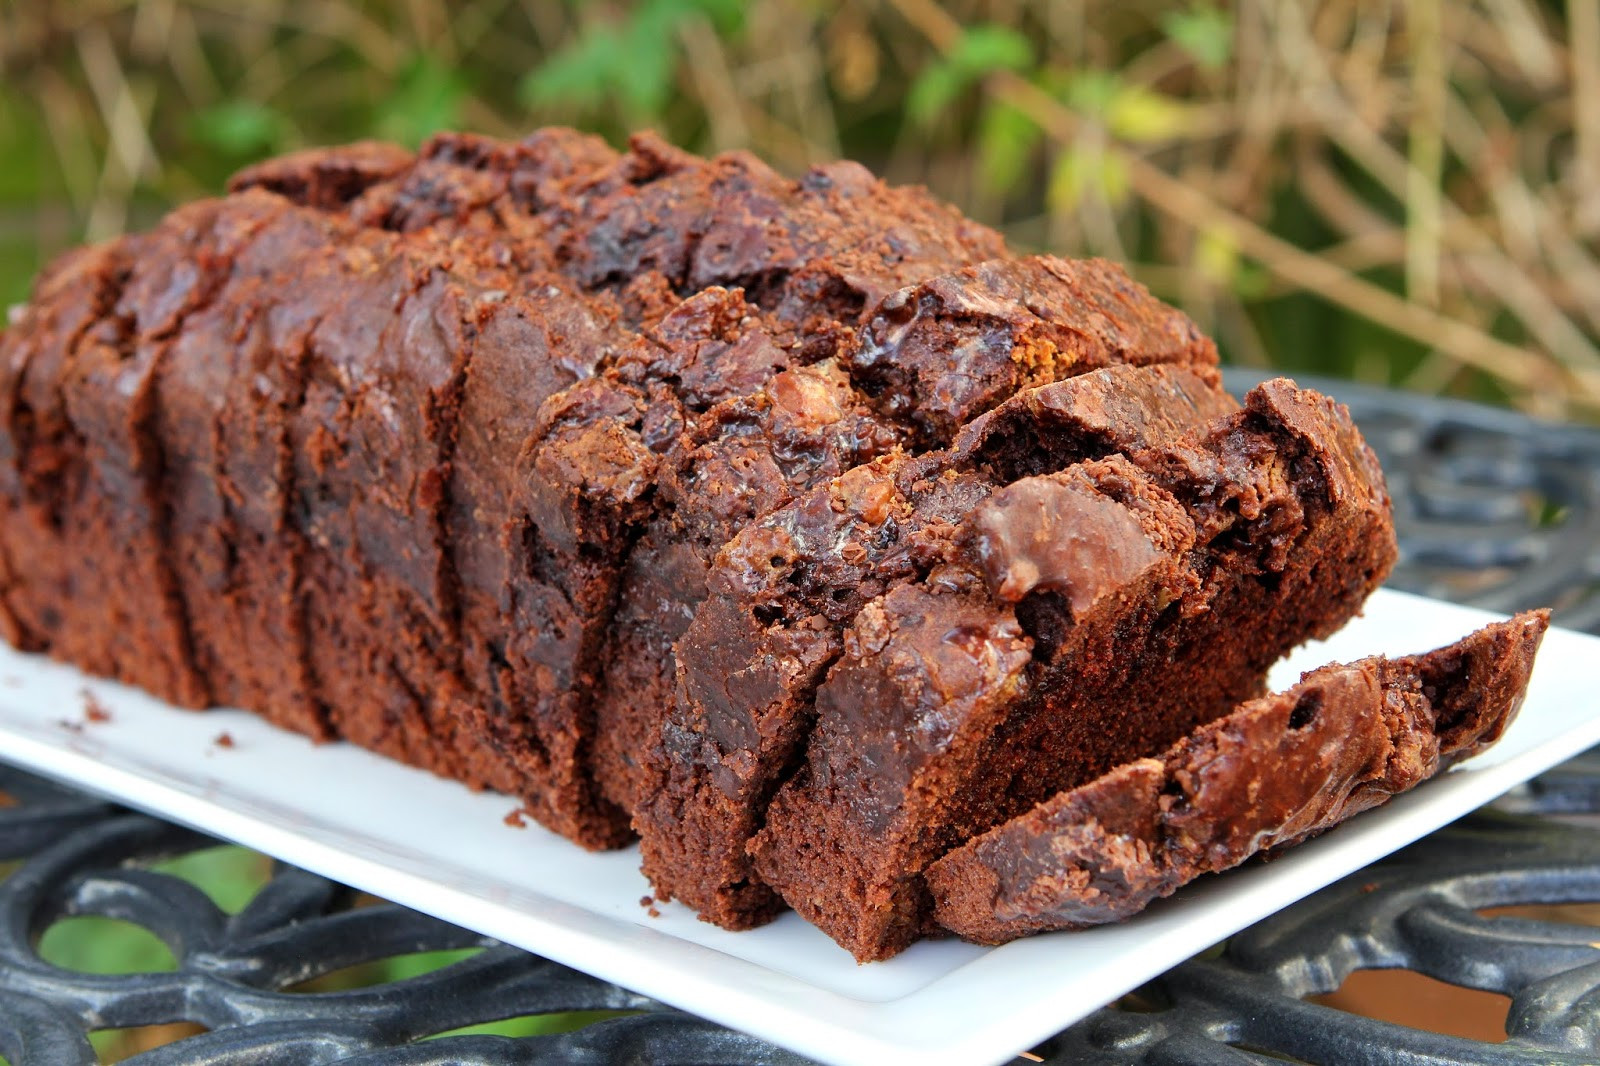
(93, 709)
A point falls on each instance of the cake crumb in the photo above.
(223, 740)
(649, 905)
(515, 819)
(93, 709)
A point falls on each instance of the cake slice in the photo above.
(223, 393)
(1272, 773)
(72, 296)
(1045, 654)
(781, 592)
(92, 574)
(735, 460)
(536, 572)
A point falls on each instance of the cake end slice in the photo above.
(1276, 771)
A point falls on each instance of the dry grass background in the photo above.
(1406, 193)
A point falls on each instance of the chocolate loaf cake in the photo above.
(669, 495)
(1273, 772)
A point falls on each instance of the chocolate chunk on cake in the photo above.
(326, 178)
(1273, 772)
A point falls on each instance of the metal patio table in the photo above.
(1493, 510)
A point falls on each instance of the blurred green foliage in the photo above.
(104, 946)
(230, 876)
(629, 62)
(979, 52)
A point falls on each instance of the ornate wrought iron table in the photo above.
(1493, 510)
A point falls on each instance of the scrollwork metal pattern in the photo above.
(82, 857)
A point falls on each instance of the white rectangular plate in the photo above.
(435, 846)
